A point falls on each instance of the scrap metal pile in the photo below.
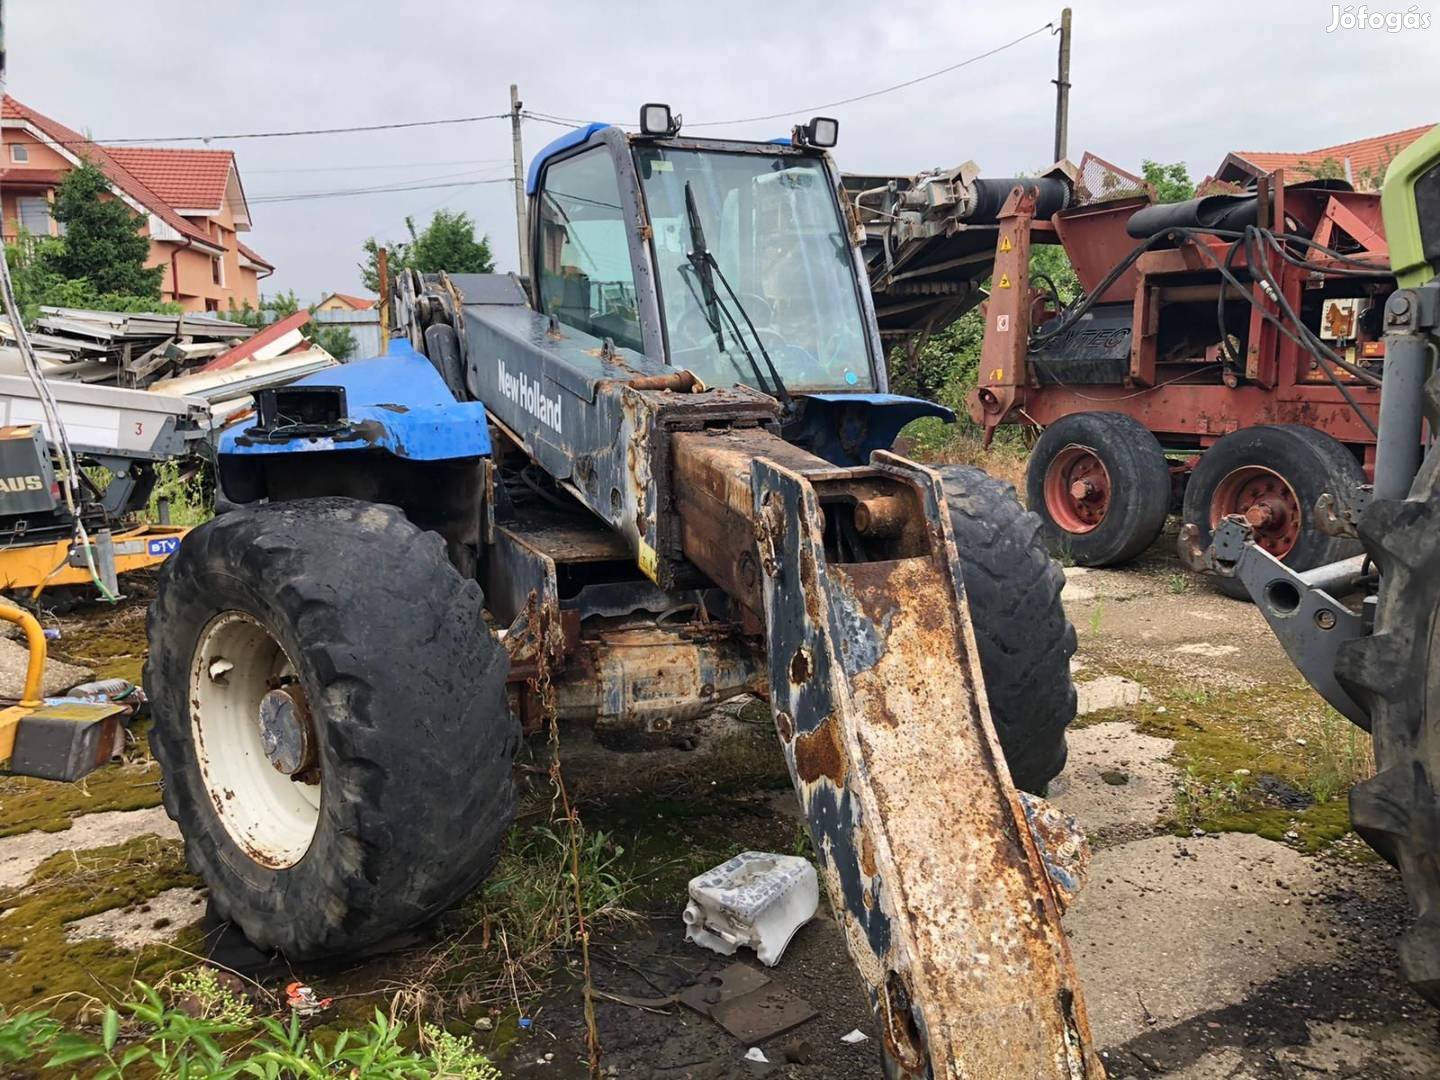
(189, 354)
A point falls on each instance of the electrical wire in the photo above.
(379, 167)
(348, 193)
(232, 136)
(551, 118)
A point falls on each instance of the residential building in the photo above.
(191, 201)
(1362, 162)
(345, 302)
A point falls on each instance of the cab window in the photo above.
(585, 275)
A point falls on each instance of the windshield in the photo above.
(772, 227)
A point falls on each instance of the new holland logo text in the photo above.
(16, 484)
(525, 393)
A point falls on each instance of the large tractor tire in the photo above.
(1025, 640)
(1394, 673)
(331, 720)
(1101, 486)
(1273, 474)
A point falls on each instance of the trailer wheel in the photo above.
(1394, 673)
(1101, 486)
(1025, 639)
(1272, 474)
(331, 721)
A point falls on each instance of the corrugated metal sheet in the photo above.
(364, 326)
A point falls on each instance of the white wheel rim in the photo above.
(271, 817)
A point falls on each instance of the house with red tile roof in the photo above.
(1362, 162)
(345, 302)
(191, 201)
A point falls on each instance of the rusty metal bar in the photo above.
(1003, 351)
(931, 867)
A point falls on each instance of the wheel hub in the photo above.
(285, 730)
(1077, 489)
(1266, 501)
(254, 740)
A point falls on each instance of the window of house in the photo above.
(585, 276)
(217, 270)
(34, 212)
(19, 153)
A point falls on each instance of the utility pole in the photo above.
(518, 149)
(1062, 90)
(382, 267)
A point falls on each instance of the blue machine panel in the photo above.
(844, 428)
(397, 402)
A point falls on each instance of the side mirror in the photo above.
(656, 119)
(822, 131)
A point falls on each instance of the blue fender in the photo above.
(397, 402)
(844, 428)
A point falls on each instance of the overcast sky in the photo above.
(1163, 81)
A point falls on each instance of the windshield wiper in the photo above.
(700, 261)
(707, 269)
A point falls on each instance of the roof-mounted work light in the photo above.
(822, 131)
(657, 119)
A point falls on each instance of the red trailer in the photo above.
(1224, 356)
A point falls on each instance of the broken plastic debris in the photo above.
(756, 899)
(756, 1054)
(302, 999)
(856, 1036)
(525, 1023)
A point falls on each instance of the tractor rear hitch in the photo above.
(1300, 607)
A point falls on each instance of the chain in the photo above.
(545, 691)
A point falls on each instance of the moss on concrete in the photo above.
(1237, 746)
(37, 962)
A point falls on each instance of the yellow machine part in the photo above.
(38, 566)
(65, 740)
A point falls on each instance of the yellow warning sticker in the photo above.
(646, 559)
(1005, 244)
(1004, 282)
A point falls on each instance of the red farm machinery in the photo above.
(1222, 357)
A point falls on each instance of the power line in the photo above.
(271, 196)
(390, 165)
(315, 195)
(284, 134)
(550, 118)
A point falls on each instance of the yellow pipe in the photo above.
(35, 641)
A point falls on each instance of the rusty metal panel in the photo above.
(932, 871)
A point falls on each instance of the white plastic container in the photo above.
(756, 899)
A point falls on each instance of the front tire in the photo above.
(1024, 637)
(331, 834)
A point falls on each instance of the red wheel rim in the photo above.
(1077, 489)
(1266, 500)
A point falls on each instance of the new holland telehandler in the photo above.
(651, 478)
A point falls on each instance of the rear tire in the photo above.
(1394, 673)
(1278, 470)
(1101, 486)
(350, 609)
(1025, 640)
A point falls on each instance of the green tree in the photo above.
(37, 285)
(1172, 182)
(448, 243)
(103, 244)
(338, 341)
